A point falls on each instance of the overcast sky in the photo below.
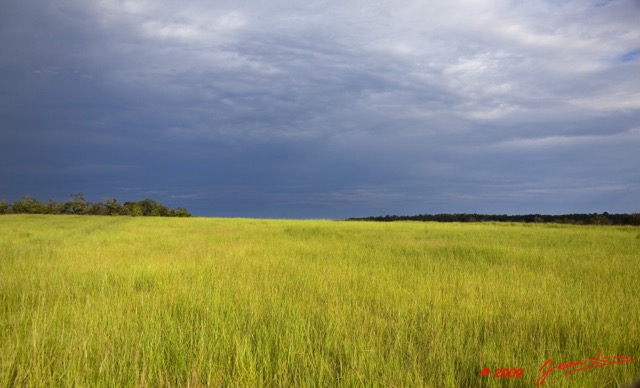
(324, 109)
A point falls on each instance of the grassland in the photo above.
(120, 301)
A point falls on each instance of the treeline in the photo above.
(578, 219)
(77, 204)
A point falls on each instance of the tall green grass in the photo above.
(109, 301)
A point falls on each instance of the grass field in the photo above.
(124, 302)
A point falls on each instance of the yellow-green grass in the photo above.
(118, 301)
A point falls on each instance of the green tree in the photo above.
(4, 207)
(632, 219)
(77, 205)
(28, 204)
(133, 209)
(113, 208)
(601, 219)
(153, 208)
(53, 207)
(98, 209)
(180, 212)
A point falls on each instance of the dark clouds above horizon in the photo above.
(324, 109)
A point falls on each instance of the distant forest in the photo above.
(77, 204)
(578, 219)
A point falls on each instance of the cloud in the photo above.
(548, 142)
(383, 106)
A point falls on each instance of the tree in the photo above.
(77, 205)
(180, 212)
(28, 204)
(98, 209)
(113, 208)
(133, 209)
(632, 219)
(53, 207)
(601, 219)
(153, 208)
(4, 207)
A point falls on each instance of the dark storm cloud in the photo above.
(327, 109)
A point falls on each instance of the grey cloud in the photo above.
(323, 108)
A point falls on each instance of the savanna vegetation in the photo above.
(137, 301)
(77, 204)
(577, 218)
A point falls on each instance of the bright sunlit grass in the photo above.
(111, 301)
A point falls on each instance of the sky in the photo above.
(324, 109)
